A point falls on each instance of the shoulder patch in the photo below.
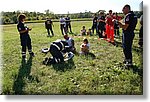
(127, 18)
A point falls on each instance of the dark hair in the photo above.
(110, 10)
(21, 17)
(128, 6)
(85, 40)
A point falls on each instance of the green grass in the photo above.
(83, 75)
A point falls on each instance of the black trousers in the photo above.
(141, 36)
(63, 28)
(50, 29)
(94, 26)
(25, 42)
(57, 55)
(68, 26)
(127, 40)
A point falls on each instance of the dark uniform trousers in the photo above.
(63, 29)
(141, 36)
(94, 26)
(127, 39)
(50, 28)
(57, 55)
(25, 42)
(68, 25)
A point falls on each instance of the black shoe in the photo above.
(23, 57)
(32, 54)
(45, 61)
(128, 63)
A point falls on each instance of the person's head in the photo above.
(95, 15)
(66, 36)
(110, 12)
(116, 14)
(126, 9)
(83, 27)
(85, 41)
(101, 13)
(89, 29)
(21, 17)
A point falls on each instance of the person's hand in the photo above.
(29, 29)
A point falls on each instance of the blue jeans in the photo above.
(127, 40)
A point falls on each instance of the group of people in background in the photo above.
(106, 26)
(65, 25)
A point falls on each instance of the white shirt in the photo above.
(69, 41)
(62, 21)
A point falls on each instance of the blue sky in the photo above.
(64, 6)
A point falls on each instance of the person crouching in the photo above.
(57, 49)
(85, 47)
(70, 42)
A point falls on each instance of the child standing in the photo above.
(85, 47)
(24, 36)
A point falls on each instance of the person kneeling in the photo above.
(58, 50)
(85, 47)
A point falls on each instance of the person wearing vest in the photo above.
(48, 26)
(128, 27)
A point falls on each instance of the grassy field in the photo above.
(104, 74)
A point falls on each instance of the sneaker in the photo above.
(32, 54)
(45, 61)
(128, 64)
(124, 61)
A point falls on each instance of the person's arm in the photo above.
(141, 20)
(126, 24)
(45, 24)
(72, 41)
(52, 24)
(26, 30)
(123, 26)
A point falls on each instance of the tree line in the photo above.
(11, 17)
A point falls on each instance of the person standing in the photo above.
(62, 25)
(101, 24)
(128, 27)
(94, 26)
(110, 27)
(24, 36)
(116, 25)
(68, 24)
(141, 33)
(48, 26)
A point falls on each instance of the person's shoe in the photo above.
(45, 61)
(24, 58)
(32, 54)
(124, 61)
(128, 63)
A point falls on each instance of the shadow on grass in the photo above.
(137, 70)
(64, 66)
(24, 72)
